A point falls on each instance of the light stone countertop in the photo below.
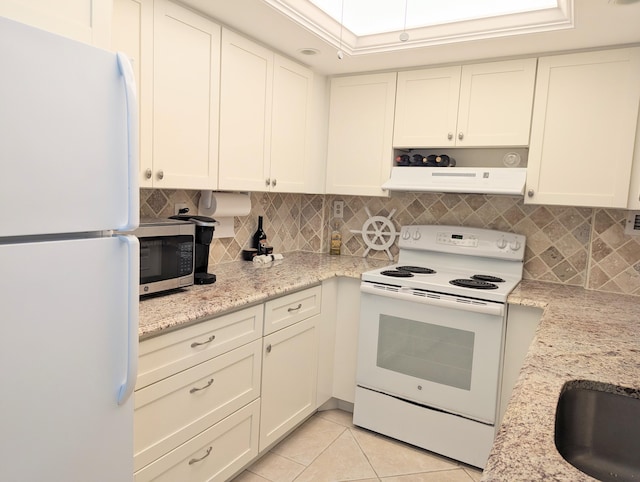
(583, 335)
(240, 284)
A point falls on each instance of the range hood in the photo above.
(480, 180)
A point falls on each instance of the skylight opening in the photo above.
(373, 26)
(370, 17)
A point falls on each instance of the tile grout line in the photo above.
(323, 450)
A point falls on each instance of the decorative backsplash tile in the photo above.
(575, 246)
(615, 256)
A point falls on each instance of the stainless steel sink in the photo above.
(598, 430)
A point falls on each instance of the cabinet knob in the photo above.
(267, 182)
(268, 348)
(450, 135)
(161, 174)
(147, 174)
(460, 135)
(530, 192)
(273, 182)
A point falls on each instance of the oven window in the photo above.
(426, 351)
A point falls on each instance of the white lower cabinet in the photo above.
(172, 411)
(212, 396)
(289, 375)
(197, 400)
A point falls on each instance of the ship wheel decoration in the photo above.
(378, 233)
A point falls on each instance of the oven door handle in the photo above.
(444, 301)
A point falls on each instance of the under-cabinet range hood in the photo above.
(491, 180)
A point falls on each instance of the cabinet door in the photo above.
(583, 129)
(186, 102)
(132, 33)
(87, 21)
(346, 348)
(289, 374)
(245, 114)
(290, 126)
(495, 105)
(360, 153)
(427, 107)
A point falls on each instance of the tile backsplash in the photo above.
(575, 246)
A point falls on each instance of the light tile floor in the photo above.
(328, 447)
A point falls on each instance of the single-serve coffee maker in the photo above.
(204, 234)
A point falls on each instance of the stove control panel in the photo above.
(453, 239)
(463, 240)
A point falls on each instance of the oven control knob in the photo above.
(416, 235)
(515, 245)
(501, 243)
(406, 235)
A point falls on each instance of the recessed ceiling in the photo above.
(588, 24)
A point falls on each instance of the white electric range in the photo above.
(431, 338)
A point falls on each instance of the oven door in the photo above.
(436, 350)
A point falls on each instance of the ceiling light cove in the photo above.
(372, 26)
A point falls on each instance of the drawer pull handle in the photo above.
(209, 340)
(268, 348)
(295, 309)
(193, 461)
(194, 389)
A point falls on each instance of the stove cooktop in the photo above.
(471, 262)
(448, 280)
(462, 282)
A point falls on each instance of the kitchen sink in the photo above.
(598, 430)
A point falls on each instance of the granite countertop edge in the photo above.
(240, 284)
(583, 335)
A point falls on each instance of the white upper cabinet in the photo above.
(475, 105)
(245, 113)
(132, 33)
(87, 21)
(264, 118)
(290, 126)
(186, 81)
(584, 128)
(427, 107)
(360, 153)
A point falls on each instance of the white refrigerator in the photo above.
(68, 280)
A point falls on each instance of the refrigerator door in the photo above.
(67, 135)
(65, 354)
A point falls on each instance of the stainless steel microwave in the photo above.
(167, 254)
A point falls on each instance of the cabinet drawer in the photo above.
(173, 410)
(173, 352)
(290, 309)
(230, 445)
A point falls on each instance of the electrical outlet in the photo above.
(338, 209)
(178, 206)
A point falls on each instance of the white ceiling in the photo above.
(598, 23)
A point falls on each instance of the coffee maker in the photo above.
(204, 234)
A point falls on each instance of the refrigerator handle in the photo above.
(132, 130)
(133, 247)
